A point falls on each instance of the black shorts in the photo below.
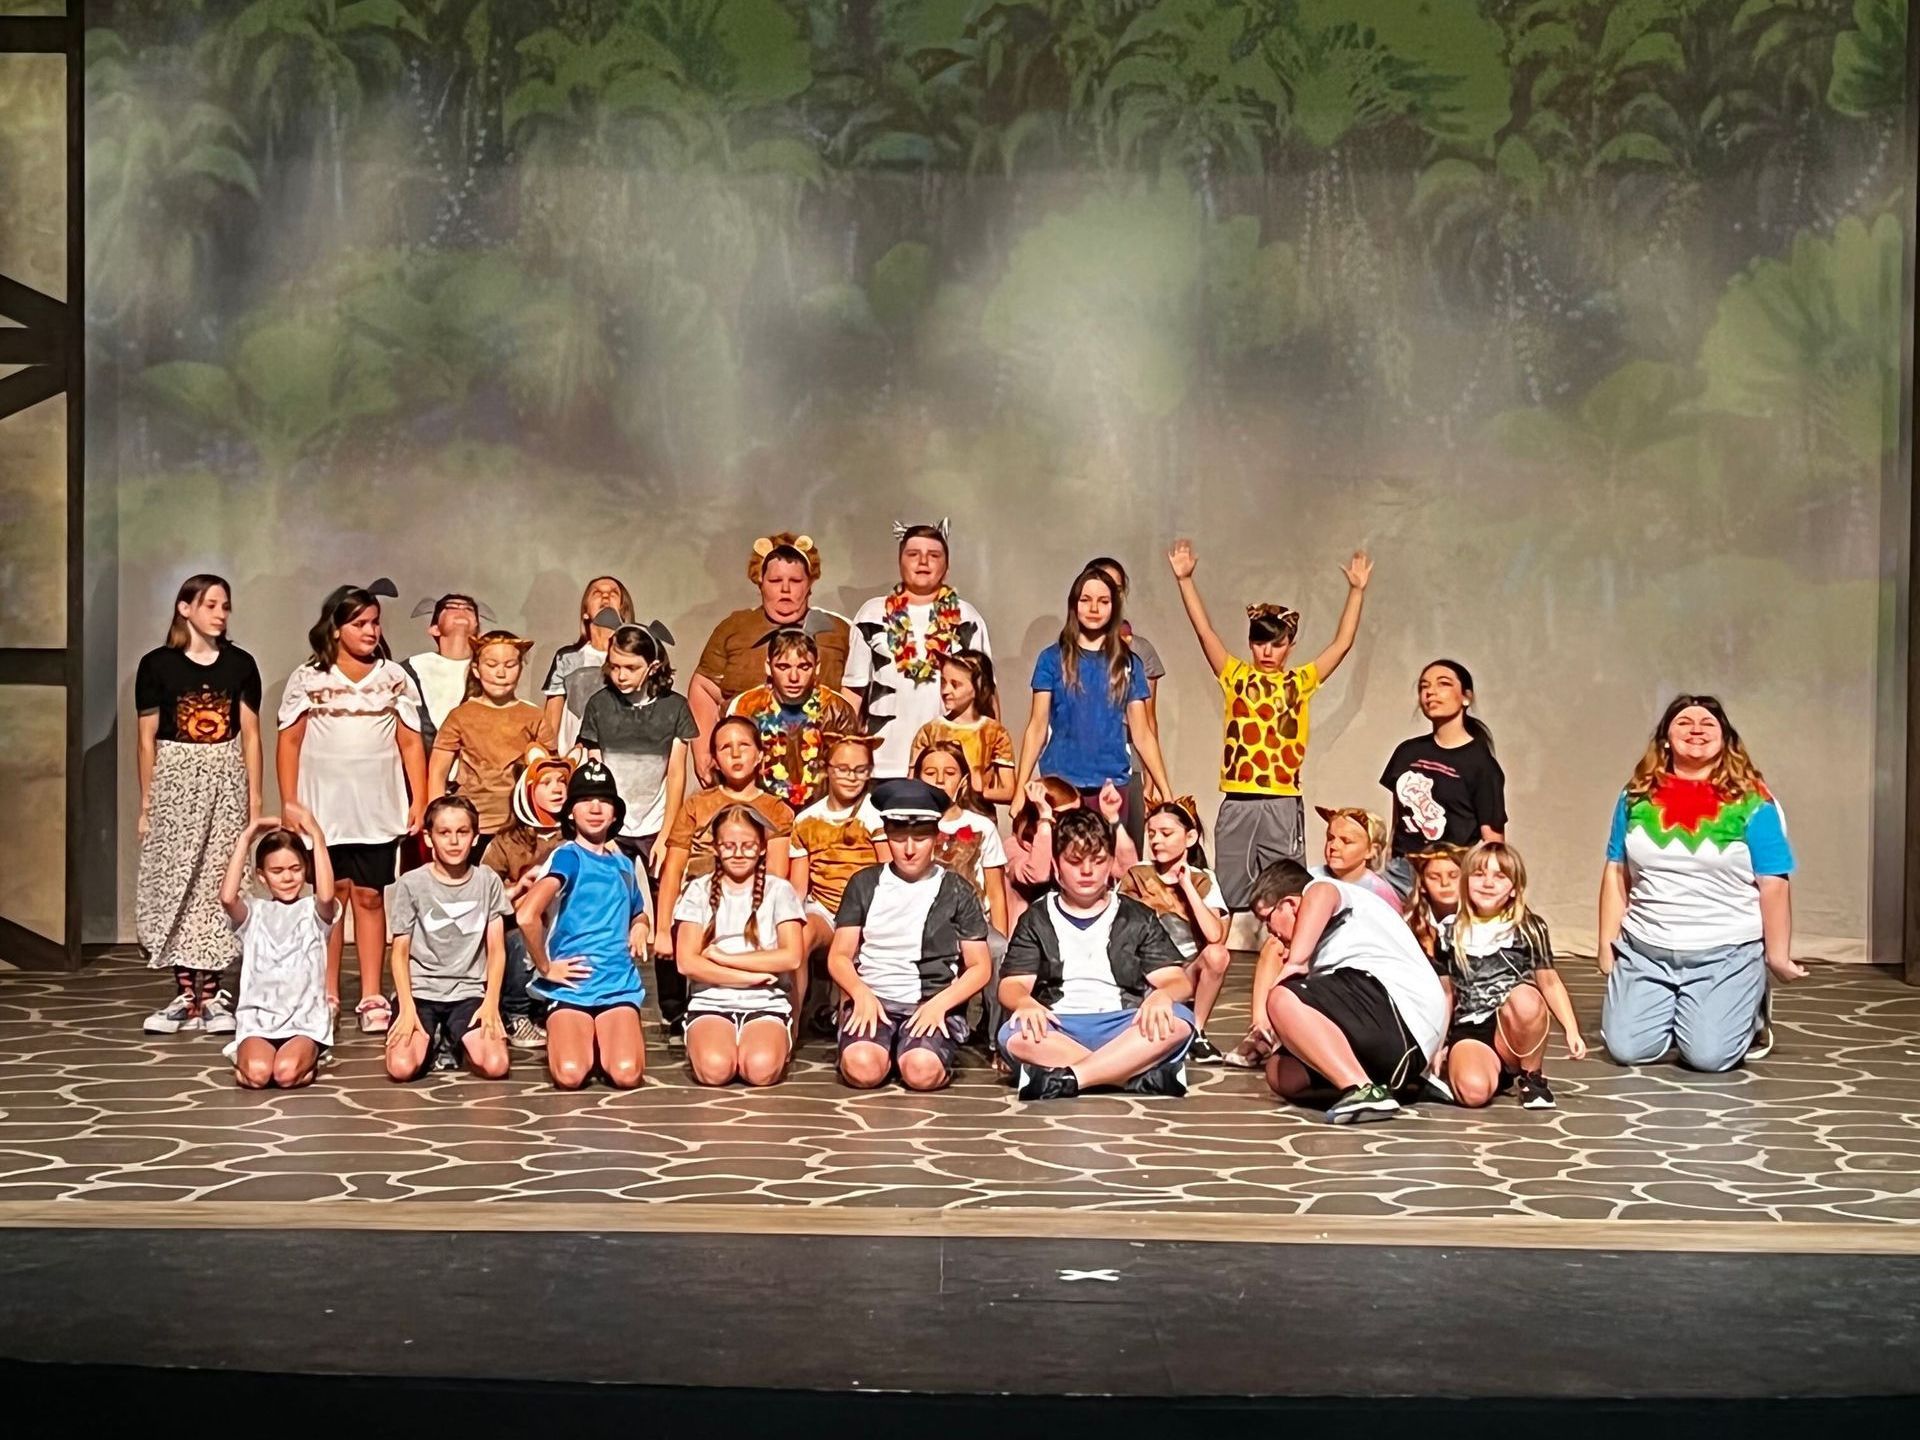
(1361, 1007)
(890, 1032)
(446, 1022)
(1483, 1030)
(371, 866)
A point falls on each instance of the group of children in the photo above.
(559, 856)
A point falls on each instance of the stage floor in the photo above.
(1827, 1130)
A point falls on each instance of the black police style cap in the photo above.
(910, 801)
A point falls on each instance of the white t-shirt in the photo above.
(778, 903)
(1368, 935)
(897, 708)
(1180, 929)
(969, 827)
(566, 665)
(1087, 986)
(443, 683)
(283, 972)
(350, 772)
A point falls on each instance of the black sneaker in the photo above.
(1435, 1087)
(1361, 1104)
(675, 1032)
(1169, 1077)
(1530, 1088)
(1044, 1082)
(445, 1059)
(1203, 1051)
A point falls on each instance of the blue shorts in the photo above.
(1096, 1031)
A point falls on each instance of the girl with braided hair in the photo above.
(737, 941)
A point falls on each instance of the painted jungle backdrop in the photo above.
(1581, 315)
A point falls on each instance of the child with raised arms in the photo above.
(1265, 739)
(737, 938)
(448, 924)
(282, 1022)
(585, 923)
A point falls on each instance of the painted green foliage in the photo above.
(664, 233)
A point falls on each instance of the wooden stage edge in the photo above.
(1160, 1226)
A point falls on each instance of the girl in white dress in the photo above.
(283, 1021)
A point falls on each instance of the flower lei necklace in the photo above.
(942, 631)
(774, 742)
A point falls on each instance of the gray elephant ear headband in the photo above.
(900, 529)
(609, 619)
(384, 588)
(433, 602)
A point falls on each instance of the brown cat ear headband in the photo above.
(1285, 616)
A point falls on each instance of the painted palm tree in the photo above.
(161, 165)
(299, 62)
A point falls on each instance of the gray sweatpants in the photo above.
(1706, 1002)
(1249, 834)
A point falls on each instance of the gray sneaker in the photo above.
(1361, 1104)
(173, 1017)
(217, 1014)
(526, 1033)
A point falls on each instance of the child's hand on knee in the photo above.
(1784, 967)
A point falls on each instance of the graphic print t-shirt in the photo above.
(446, 923)
(197, 704)
(1265, 725)
(1443, 795)
(1693, 861)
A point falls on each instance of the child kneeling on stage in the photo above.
(586, 952)
(1358, 1012)
(1093, 982)
(447, 921)
(909, 950)
(737, 939)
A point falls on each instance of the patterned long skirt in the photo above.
(197, 810)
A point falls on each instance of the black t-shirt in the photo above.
(1443, 795)
(197, 704)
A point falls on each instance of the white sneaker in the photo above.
(175, 1016)
(217, 1014)
(1763, 1037)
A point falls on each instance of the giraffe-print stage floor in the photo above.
(1827, 1129)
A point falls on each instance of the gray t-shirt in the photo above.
(1149, 657)
(446, 927)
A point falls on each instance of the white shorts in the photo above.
(814, 907)
(740, 1018)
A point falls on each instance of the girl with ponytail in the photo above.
(1447, 787)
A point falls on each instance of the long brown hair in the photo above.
(1734, 773)
(179, 632)
(1112, 647)
(336, 610)
(978, 666)
(751, 818)
(1421, 918)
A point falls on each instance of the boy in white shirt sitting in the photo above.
(1095, 986)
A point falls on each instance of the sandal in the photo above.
(1250, 1054)
(376, 1015)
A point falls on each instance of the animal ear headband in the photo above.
(1285, 616)
(434, 602)
(900, 529)
(500, 637)
(767, 544)
(384, 588)
(609, 619)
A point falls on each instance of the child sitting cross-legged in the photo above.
(1092, 981)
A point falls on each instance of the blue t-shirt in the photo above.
(599, 899)
(1087, 741)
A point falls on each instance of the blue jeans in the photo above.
(1706, 1002)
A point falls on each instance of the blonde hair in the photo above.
(1374, 827)
(1507, 861)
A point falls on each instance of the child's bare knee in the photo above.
(922, 1070)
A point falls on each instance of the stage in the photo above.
(812, 1237)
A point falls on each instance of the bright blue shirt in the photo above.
(600, 898)
(1087, 742)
